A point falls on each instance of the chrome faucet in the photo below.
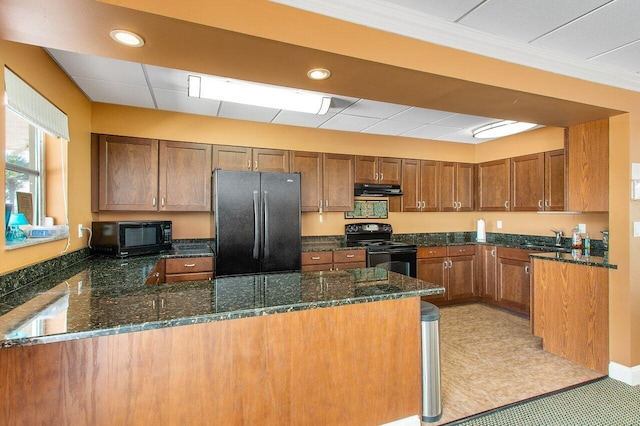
(559, 235)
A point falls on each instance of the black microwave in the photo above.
(122, 239)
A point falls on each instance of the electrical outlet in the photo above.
(80, 231)
(499, 224)
(582, 228)
(636, 229)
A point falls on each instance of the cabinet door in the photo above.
(465, 186)
(588, 144)
(493, 186)
(270, 160)
(366, 169)
(184, 176)
(429, 186)
(390, 171)
(448, 187)
(514, 284)
(527, 183)
(411, 197)
(231, 157)
(128, 173)
(338, 182)
(309, 164)
(554, 180)
(433, 270)
(489, 272)
(461, 277)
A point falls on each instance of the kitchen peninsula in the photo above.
(333, 347)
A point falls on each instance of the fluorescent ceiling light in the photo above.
(127, 38)
(501, 128)
(263, 95)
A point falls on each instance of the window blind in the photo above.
(31, 105)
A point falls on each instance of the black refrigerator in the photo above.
(257, 222)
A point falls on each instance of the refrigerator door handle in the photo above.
(266, 223)
(256, 225)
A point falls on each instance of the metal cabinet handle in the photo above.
(506, 204)
(493, 252)
(432, 251)
(381, 176)
(418, 204)
(153, 201)
(349, 256)
(423, 204)
(376, 178)
(255, 165)
(315, 257)
(540, 203)
(450, 264)
(326, 203)
(248, 164)
(526, 269)
(446, 265)
(189, 265)
(546, 203)
(162, 201)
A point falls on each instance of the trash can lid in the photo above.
(429, 311)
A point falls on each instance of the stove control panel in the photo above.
(358, 228)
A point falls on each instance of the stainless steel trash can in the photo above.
(430, 324)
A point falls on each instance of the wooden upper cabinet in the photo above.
(128, 174)
(493, 185)
(527, 183)
(554, 180)
(309, 164)
(250, 159)
(420, 185)
(587, 150)
(383, 170)
(457, 186)
(338, 182)
(184, 176)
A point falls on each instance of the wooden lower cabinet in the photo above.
(333, 259)
(453, 268)
(188, 269)
(514, 280)
(488, 272)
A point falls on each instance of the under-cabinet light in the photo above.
(502, 128)
(263, 95)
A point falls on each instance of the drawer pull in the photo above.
(350, 256)
(432, 252)
(315, 257)
(189, 265)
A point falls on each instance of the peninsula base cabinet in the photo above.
(452, 267)
(571, 312)
(505, 278)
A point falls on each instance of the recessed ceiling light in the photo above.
(127, 38)
(501, 128)
(319, 74)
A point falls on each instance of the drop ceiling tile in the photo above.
(592, 34)
(461, 121)
(170, 100)
(293, 118)
(447, 10)
(247, 112)
(391, 127)
(462, 136)
(98, 68)
(374, 109)
(429, 132)
(526, 20)
(339, 103)
(421, 115)
(349, 123)
(116, 93)
(168, 79)
(627, 57)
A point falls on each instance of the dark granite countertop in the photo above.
(577, 258)
(102, 296)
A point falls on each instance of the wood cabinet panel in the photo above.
(338, 182)
(420, 185)
(390, 171)
(429, 186)
(448, 187)
(231, 157)
(188, 264)
(428, 252)
(433, 270)
(462, 275)
(466, 187)
(317, 257)
(489, 263)
(587, 150)
(527, 183)
(457, 186)
(456, 272)
(270, 160)
(554, 180)
(309, 165)
(340, 256)
(493, 185)
(184, 176)
(382, 170)
(366, 169)
(191, 276)
(128, 174)
(514, 284)
(465, 250)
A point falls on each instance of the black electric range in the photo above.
(381, 250)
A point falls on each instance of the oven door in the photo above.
(394, 260)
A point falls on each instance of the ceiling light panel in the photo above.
(349, 123)
(374, 109)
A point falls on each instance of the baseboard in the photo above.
(628, 375)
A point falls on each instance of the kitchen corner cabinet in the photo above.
(420, 186)
(457, 183)
(135, 174)
(250, 159)
(514, 280)
(382, 170)
(587, 150)
(453, 268)
(327, 180)
(493, 185)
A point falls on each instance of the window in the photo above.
(24, 170)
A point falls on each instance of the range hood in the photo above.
(376, 190)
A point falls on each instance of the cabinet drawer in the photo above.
(197, 276)
(317, 267)
(349, 265)
(429, 252)
(461, 250)
(317, 257)
(514, 253)
(186, 265)
(351, 256)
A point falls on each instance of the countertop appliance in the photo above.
(376, 190)
(381, 250)
(122, 239)
(257, 222)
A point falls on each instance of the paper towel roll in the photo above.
(481, 235)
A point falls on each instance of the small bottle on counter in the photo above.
(576, 239)
(587, 245)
